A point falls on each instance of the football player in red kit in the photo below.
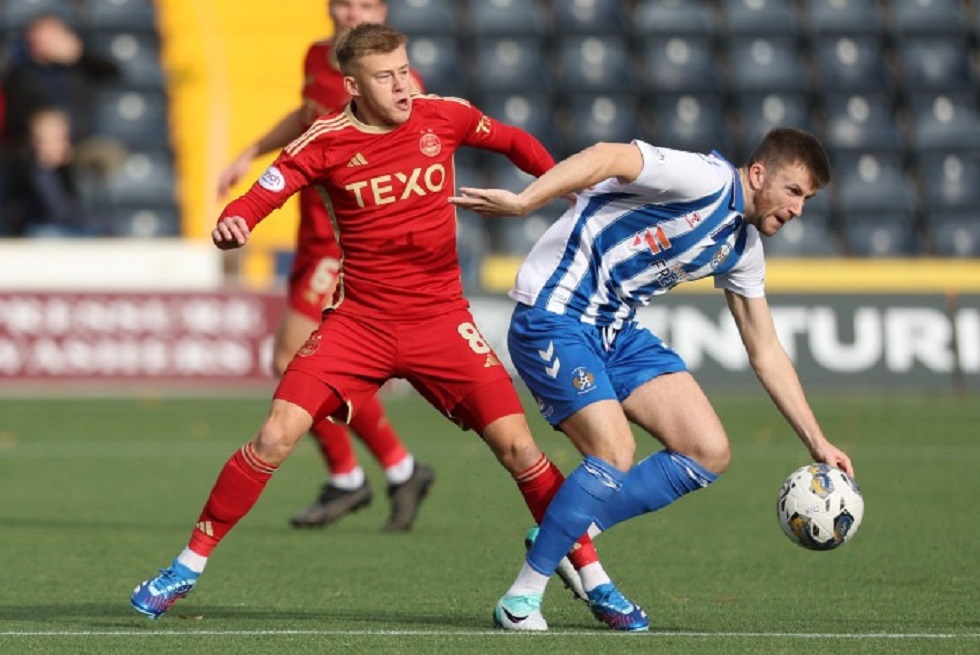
(385, 166)
(312, 281)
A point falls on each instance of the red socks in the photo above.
(238, 486)
(372, 427)
(538, 484)
(335, 446)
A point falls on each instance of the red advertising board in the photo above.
(137, 337)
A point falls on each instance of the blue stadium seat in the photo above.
(869, 183)
(592, 17)
(879, 234)
(951, 181)
(767, 64)
(841, 17)
(692, 122)
(137, 15)
(512, 64)
(934, 63)
(594, 64)
(810, 235)
(515, 236)
(145, 177)
(851, 63)
(662, 18)
(760, 112)
(934, 17)
(601, 117)
(136, 53)
(944, 122)
(506, 18)
(143, 220)
(680, 63)
(742, 18)
(861, 122)
(135, 118)
(437, 61)
(954, 233)
(424, 17)
(532, 112)
(14, 14)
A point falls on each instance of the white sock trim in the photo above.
(402, 471)
(349, 481)
(192, 560)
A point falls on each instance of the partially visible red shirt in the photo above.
(323, 93)
(388, 192)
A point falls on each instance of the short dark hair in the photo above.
(785, 146)
(367, 39)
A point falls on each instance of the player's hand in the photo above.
(235, 171)
(230, 232)
(490, 202)
(828, 453)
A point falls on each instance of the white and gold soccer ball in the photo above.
(819, 507)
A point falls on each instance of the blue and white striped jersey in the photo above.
(622, 244)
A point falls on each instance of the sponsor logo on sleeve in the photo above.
(272, 180)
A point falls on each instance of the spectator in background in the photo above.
(51, 67)
(44, 198)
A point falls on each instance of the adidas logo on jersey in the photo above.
(357, 160)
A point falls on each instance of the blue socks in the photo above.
(572, 510)
(655, 482)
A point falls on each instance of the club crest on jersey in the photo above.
(311, 346)
(430, 145)
(272, 180)
(583, 380)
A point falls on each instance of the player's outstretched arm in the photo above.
(778, 376)
(582, 170)
(278, 137)
(230, 232)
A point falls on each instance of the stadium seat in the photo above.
(135, 118)
(954, 233)
(592, 17)
(14, 14)
(841, 17)
(592, 64)
(690, 122)
(873, 183)
(511, 64)
(933, 17)
(532, 112)
(879, 234)
(851, 63)
(808, 236)
(951, 181)
(944, 122)
(680, 63)
(436, 59)
(516, 236)
(145, 177)
(601, 117)
(424, 17)
(663, 18)
(935, 63)
(508, 18)
(143, 221)
(767, 64)
(136, 53)
(861, 122)
(120, 14)
(760, 112)
(743, 18)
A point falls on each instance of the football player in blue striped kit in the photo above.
(645, 219)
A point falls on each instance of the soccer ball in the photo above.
(819, 507)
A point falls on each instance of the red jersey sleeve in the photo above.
(520, 147)
(296, 166)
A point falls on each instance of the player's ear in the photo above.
(757, 175)
(350, 86)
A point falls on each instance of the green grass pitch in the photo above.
(96, 494)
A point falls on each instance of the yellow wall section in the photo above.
(235, 68)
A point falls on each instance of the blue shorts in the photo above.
(567, 366)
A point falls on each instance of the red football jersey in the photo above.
(387, 191)
(323, 93)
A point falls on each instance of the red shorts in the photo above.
(312, 283)
(444, 357)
